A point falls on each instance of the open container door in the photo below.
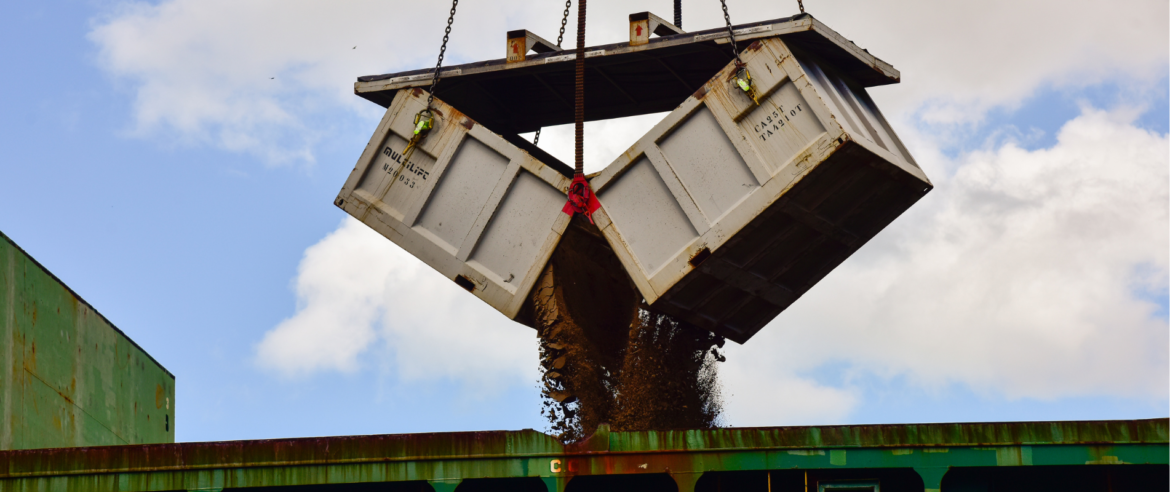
(468, 202)
(727, 211)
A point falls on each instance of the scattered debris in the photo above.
(607, 358)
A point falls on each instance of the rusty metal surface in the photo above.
(69, 376)
(1126, 448)
(495, 445)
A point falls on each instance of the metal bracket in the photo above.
(642, 24)
(521, 41)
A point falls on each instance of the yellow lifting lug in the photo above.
(743, 79)
(423, 121)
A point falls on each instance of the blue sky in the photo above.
(181, 203)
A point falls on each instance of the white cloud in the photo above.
(762, 390)
(260, 76)
(360, 297)
(202, 70)
(341, 292)
(959, 59)
(604, 140)
(1018, 277)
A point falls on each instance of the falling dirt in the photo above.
(606, 357)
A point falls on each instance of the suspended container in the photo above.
(472, 205)
(724, 213)
(728, 210)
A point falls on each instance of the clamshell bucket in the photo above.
(469, 203)
(728, 210)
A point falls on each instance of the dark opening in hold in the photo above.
(465, 282)
(511, 484)
(699, 257)
(167, 423)
(642, 482)
(340, 202)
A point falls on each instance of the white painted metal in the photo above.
(468, 203)
(719, 161)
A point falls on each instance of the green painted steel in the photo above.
(69, 377)
(444, 460)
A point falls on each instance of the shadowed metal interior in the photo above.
(519, 98)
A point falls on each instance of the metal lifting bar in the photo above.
(579, 97)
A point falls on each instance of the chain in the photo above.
(564, 20)
(678, 14)
(442, 51)
(579, 102)
(801, 4)
(730, 32)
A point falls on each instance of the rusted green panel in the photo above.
(69, 377)
(897, 435)
(930, 450)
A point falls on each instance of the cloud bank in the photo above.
(267, 76)
(364, 301)
(1024, 274)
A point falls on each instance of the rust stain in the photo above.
(467, 123)
(416, 92)
(159, 395)
(700, 256)
(700, 92)
(674, 449)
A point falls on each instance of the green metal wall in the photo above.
(1092, 456)
(69, 377)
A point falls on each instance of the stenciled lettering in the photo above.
(773, 122)
(409, 167)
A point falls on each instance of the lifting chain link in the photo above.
(564, 21)
(800, 3)
(425, 119)
(731, 33)
(560, 39)
(442, 52)
(743, 79)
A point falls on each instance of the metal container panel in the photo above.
(475, 207)
(69, 377)
(727, 211)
